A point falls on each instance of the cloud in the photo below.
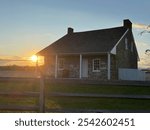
(141, 26)
(144, 61)
(13, 60)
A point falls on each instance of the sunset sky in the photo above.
(27, 26)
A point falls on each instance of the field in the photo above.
(75, 103)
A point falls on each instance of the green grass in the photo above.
(18, 100)
(101, 89)
(19, 86)
(77, 103)
(74, 88)
(99, 103)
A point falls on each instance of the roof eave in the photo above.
(79, 53)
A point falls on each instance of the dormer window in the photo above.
(126, 43)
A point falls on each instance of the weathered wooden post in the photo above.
(42, 89)
(42, 95)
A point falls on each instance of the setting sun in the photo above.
(34, 58)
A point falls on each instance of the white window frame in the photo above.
(98, 69)
(126, 43)
(61, 63)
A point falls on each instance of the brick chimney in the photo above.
(127, 23)
(70, 30)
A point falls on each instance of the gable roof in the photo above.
(96, 41)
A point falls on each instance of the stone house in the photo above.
(96, 54)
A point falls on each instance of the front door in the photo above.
(85, 68)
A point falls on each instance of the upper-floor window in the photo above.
(61, 63)
(126, 43)
(132, 46)
(96, 65)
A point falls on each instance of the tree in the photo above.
(147, 52)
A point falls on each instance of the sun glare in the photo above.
(34, 58)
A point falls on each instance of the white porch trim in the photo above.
(109, 66)
(56, 65)
(80, 76)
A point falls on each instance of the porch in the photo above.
(82, 66)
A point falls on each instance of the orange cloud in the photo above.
(144, 61)
(141, 26)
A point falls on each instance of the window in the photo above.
(61, 63)
(132, 46)
(126, 43)
(96, 65)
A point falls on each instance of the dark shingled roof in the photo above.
(84, 42)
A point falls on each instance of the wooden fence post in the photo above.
(42, 95)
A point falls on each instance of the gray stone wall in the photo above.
(113, 69)
(126, 58)
(102, 75)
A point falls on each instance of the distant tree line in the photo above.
(18, 68)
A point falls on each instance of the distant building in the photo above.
(96, 54)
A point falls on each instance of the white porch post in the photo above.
(56, 65)
(109, 66)
(80, 66)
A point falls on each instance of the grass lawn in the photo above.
(101, 89)
(98, 103)
(79, 102)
